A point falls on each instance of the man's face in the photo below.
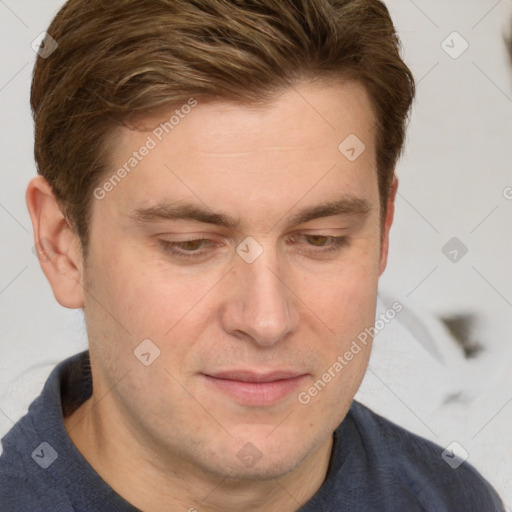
(217, 315)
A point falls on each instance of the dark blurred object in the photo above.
(508, 42)
(461, 327)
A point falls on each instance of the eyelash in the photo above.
(337, 242)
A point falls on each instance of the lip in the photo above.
(254, 388)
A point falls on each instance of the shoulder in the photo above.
(407, 461)
(22, 489)
(26, 483)
(16, 494)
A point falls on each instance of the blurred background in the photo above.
(443, 367)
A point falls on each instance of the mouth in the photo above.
(253, 388)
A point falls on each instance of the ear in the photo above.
(390, 212)
(56, 244)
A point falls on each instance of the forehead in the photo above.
(301, 143)
(303, 114)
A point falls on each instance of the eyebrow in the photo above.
(348, 205)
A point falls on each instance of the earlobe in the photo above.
(56, 245)
(390, 212)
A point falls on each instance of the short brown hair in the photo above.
(125, 57)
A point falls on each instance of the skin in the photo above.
(296, 306)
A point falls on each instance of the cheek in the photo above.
(149, 298)
(141, 292)
(344, 296)
(343, 313)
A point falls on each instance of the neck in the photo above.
(159, 483)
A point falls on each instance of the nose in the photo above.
(260, 305)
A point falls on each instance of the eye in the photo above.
(318, 240)
(186, 248)
(314, 244)
(325, 243)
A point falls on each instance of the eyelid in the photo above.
(214, 239)
(337, 243)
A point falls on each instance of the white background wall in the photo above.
(457, 163)
(452, 177)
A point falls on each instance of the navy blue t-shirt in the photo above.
(375, 465)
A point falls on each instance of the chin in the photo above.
(238, 459)
(266, 469)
